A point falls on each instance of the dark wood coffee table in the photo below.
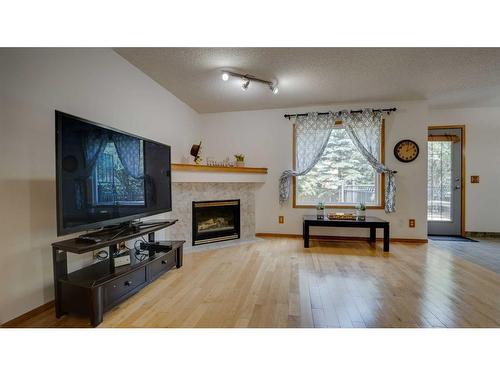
(370, 222)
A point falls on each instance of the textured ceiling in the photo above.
(315, 76)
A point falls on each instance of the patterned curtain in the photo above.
(364, 129)
(94, 143)
(311, 136)
(129, 152)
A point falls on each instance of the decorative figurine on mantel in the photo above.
(196, 153)
(240, 160)
(224, 163)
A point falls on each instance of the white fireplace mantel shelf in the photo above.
(208, 173)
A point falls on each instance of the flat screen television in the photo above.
(107, 177)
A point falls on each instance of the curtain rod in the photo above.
(388, 110)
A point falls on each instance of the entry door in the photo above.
(444, 182)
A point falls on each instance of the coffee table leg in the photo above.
(373, 234)
(305, 234)
(386, 238)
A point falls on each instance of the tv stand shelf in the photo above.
(95, 289)
(76, 246)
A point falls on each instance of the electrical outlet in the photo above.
(474, 179)
(411, 223)
(281, 219)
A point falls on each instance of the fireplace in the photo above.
(215, 221)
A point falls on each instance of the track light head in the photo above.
(247, 78)
(245, 84)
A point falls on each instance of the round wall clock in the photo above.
(406, 150)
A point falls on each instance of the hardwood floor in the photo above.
(485, 253)
(278, 283)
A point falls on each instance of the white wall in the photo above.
(265, 137)
(482, 127)
(96, 84)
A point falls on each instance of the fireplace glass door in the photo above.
(215, 221)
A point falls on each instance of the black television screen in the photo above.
(106, 177)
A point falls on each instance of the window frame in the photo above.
(381, 179)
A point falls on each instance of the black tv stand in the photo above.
(97, 288)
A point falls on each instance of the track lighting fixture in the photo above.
(245, 84)
(246, 78)
(274, 89)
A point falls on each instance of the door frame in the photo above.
(462, 167)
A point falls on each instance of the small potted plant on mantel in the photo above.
(240, 160)
(361, 211)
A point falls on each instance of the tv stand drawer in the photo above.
(123, 285)
(162, 265)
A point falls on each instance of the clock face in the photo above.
(406, 150)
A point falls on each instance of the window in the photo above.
(342, 177)
(439, 179)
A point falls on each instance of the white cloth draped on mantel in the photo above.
(312, 133)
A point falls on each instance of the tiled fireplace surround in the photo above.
(184, 193)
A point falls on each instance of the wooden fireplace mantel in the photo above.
(210, 168)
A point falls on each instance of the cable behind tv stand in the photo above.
(97, 288)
